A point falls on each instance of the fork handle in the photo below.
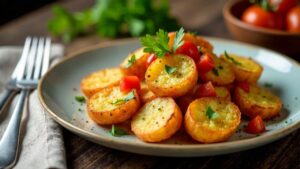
(4, 97)
(10, 138)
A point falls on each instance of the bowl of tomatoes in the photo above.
(274, 24)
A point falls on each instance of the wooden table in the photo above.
(202, 16)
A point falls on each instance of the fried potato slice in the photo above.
(215, 125)
(223, 93)
(222, 73)
(258, 101)
(173, 84)
(245, 69)
(99, 80)
(134, 64)
(157, 120)
(111, 106)
(146, 94)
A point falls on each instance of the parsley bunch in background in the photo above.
(111, 18)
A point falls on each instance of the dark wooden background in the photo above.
(202, 16)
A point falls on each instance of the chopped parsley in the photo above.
(268, 85)
(130, 61)
(215, 71)
(80, 99)
(117, 132)
(210, 113)
(127, 98)
(231, 59)
(170, 69)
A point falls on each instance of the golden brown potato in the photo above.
(210, 120)
(257, 101)
(157, 120)
(245, 69)
(197, 40)
(134, 64)
(223, 93)
(220, 75)
(111, 106)
(99, 80)
(146, 94)
(177, 83)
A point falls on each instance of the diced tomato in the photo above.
(190, 49)
(244, 85)
(150, 59)
(256, 126)
(205, 64)
(206, 90)
(130, 82)
(184, 102)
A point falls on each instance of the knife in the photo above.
(11, 88)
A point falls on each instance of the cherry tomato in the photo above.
(293, 20)
(130, 82)
(244, 85)
(256, 126)
(205, 63)
(206, 90)
(257, 16)
(190, 49)
(282, 6)
(150, 59)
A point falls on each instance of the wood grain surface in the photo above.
(202, 16)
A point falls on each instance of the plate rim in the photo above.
(243, 144)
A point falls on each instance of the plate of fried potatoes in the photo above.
(175, 94)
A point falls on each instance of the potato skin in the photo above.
(171, 85)
(138, 68)
(199, 127)
(100, 80)
(251, 103)
(170, 124)
(120, 113)
(249, 70)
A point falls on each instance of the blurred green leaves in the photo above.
(112, 18)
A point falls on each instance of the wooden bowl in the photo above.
(281, 41)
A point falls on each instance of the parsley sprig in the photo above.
(232, 59)
(116, 131)
(210, 113)
(159, 44)
(127, 98)
(170, 69)
(130, 61)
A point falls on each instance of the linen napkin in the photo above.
(41, 143)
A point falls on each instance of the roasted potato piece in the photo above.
(257, 101)
(223, 93)
(111, 106)
(173, 84)
(220, 75)
(99, 80)
(146, 94)
(245, 69)
(134, 64)
(210, 120)
(197, 40)
(157, 120)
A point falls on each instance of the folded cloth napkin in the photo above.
(41, 145)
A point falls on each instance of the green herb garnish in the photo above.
(130, 61)
(127, 98)
(268, 85)
(215, 71)
(117, 132)
(178, 39)
(210, 113)
(170, 69)
(232, 59)
(80, 99)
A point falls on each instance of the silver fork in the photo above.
(33, 65)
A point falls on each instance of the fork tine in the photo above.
(31, 58)
(39, 57)
(46, 58)
(20, 68)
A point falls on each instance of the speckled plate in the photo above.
(61, 84)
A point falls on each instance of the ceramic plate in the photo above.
(60, 85)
